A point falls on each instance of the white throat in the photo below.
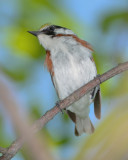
(46, 41)
(49, 43)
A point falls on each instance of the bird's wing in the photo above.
(72, 116)
(48, 62)
(49, 65)
(82, 42)
(97, 104)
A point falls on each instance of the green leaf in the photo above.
(109, 19)
(17, 75)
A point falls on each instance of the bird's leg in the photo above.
(58, 105)
(98, 75)
(95, 89)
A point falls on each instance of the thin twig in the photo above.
(3, 150)
(17, 144)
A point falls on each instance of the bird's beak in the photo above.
(35, 33)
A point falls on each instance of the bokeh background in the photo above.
(25, 80)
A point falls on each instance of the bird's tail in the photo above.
(83, 125)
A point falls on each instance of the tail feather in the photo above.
(83, 125)
(76, 132)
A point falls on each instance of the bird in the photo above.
(71, 65)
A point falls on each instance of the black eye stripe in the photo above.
(51, 30)
(58, 27)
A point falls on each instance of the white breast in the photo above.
(72, 69)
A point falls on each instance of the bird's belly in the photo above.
(82, 107)
(70, 77)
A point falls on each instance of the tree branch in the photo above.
(17, 144)
(3, 150)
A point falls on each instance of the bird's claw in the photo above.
(96, 88)
(58, 105)
(98, 75)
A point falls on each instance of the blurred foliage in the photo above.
(18, 75)
(4, 140)
(121, 17)
(110, 140)
(51, 140)
(22, 41)
(122, 89)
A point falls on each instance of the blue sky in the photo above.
(88, 11)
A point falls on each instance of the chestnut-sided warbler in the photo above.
(71, 65)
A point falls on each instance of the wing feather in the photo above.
(97, 104)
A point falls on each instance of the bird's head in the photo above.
(47, 34)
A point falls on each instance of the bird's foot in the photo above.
(98, 76)
(93, 94)
(100, 82)
(58, 105)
